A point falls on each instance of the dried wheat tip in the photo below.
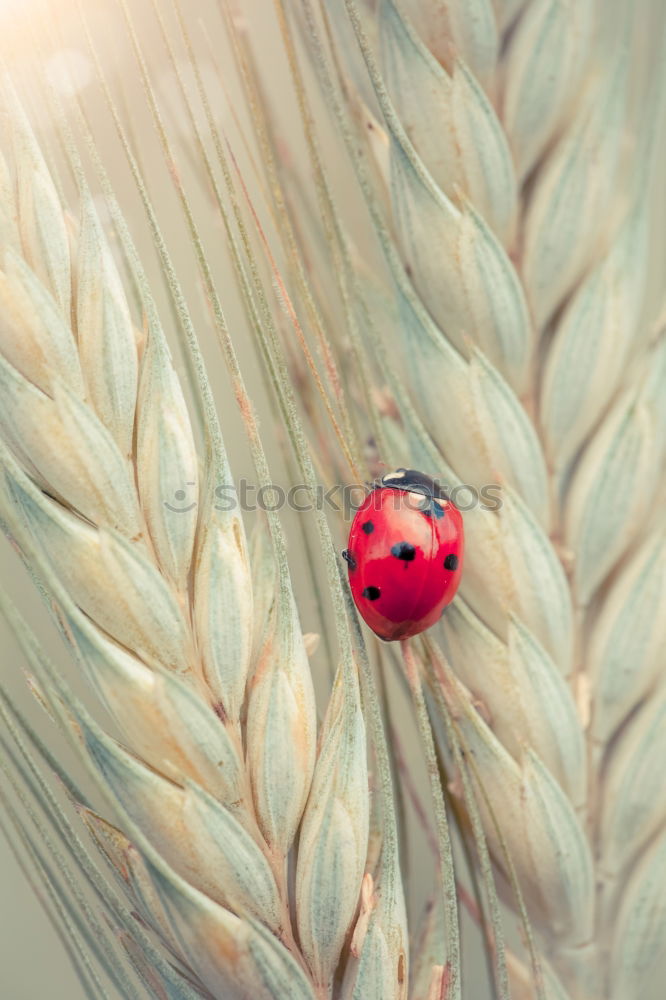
(627, 640)
(107, 577)
(163, 720)
(34, 336)
(232, 957)
(223, 605)
(110, 841)
(592, 340)
(366, 906)
(166, 461)
(334, 834)
(531, 703)
(194, 833)
(281, 701)
(633, 808)
(311, 641)
(545, 60)
(641, 927)
(104, 331)
(42, 228)
(546, 843)
(72, 453)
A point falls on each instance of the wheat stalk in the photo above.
(508, 334)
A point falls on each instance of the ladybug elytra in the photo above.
(404, 554)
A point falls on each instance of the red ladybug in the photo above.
(404, 555)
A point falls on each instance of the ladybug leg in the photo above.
(349, 559)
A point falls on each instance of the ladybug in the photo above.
(404, 555)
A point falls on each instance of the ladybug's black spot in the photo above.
(404, 550)
(368, 527)
(451, 561)
(372, 593)
(349, 559)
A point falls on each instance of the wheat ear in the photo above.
(218, 769)
(518, 194)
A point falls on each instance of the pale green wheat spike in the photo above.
(579, 499)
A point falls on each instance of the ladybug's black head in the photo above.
(414, 482)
